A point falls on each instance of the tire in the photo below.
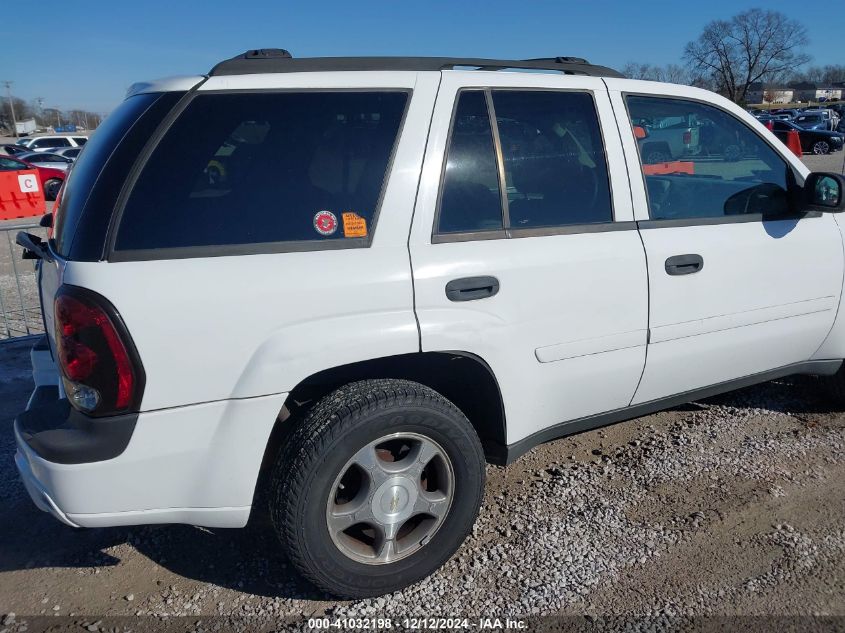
(319, 471)
(821, 147)
(654, 156)
(834, 387)
(51, 188)
(733, 153)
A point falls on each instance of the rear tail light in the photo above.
(101, 372)
(687, 137)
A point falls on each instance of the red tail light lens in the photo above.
(687, 137)
(99, 366)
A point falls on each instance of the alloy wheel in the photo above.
(390, 498)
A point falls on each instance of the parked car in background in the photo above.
(51, 179)
(68, 152)
(13, 150)
(668, 138)
(817, 120)
(46, 159)
(43, 143)
(815, 141)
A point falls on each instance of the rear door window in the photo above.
(545, 150)
(243, 169)
(52, 142)
(471, 199)
(554, 162)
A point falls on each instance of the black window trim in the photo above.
(508, 232)
(251, 248)
(657, 223)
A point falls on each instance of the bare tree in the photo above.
(753, 46)
(671, 73)
(829, 74)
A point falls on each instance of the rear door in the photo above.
(739, 284)
(523, 244)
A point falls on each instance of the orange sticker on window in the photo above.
(354, 225)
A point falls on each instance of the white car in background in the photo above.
(402, 269)
(44, 143)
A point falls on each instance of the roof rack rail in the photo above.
(276, 60)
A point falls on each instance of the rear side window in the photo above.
(80, 140)
(99, 173)
(8, 164)
(257, 168)
(544, 149)
(555, 167)
(52, 142)
(471, 200)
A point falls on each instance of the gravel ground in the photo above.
(731, 506)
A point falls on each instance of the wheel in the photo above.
(653, 156)
(733, 153)
(377, 487)
(821, 147)
(51, 188)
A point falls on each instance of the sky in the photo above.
(101, 47)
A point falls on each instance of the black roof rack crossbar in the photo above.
(280, 61)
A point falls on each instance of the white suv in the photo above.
(334, 287)
(44, 143)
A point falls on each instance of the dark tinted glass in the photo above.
(699, 161)
(265, 167)
(80, 140)
(470, 200)
(555, 167)
(51, 142)
(89, 166)
(8, 164)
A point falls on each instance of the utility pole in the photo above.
(8, 85)
(40, 102)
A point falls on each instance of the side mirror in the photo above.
(824, 192)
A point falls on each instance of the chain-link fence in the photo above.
(19, 305)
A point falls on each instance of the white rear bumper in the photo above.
(196, 464)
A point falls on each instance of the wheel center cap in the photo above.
(394, 500)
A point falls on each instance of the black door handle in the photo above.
(471, 288)
(684, 264)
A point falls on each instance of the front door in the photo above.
(523, 246)
(739, 283)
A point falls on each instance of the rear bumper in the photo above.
(196, 464)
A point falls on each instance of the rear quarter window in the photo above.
(91, 192)
(238, 169)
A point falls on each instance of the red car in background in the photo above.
(51, 179)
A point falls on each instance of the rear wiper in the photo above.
(33, 246)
